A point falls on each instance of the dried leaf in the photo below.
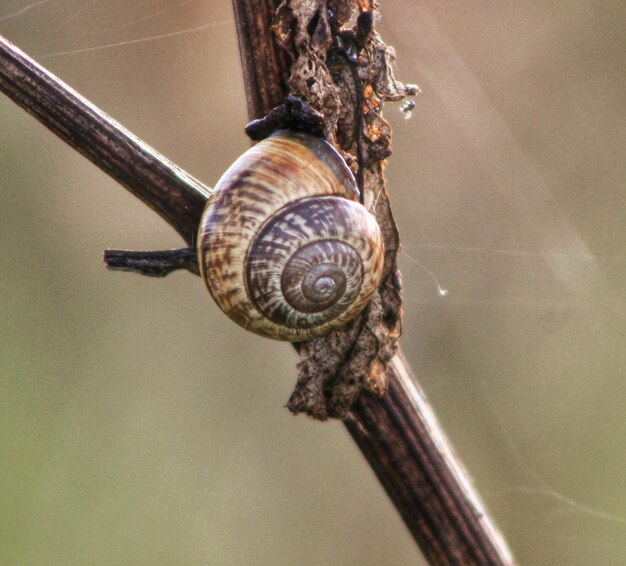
(336, 368)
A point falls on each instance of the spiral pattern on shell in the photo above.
(285, 248)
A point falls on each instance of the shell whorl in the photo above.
(285, 248)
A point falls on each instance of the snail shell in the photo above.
(284, 246)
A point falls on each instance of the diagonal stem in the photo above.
(171, 192)
(399, 434)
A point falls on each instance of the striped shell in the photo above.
(285, 248)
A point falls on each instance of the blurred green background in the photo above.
(140, 426)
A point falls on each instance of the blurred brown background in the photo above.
(139, 426)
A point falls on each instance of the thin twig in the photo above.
(399, 434)
(153, 264)
(174, 194)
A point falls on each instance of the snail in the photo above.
(284, 246)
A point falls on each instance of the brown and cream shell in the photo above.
(285, 248)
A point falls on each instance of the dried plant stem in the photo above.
(175, 195)
(413, 459)
(399, 434)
